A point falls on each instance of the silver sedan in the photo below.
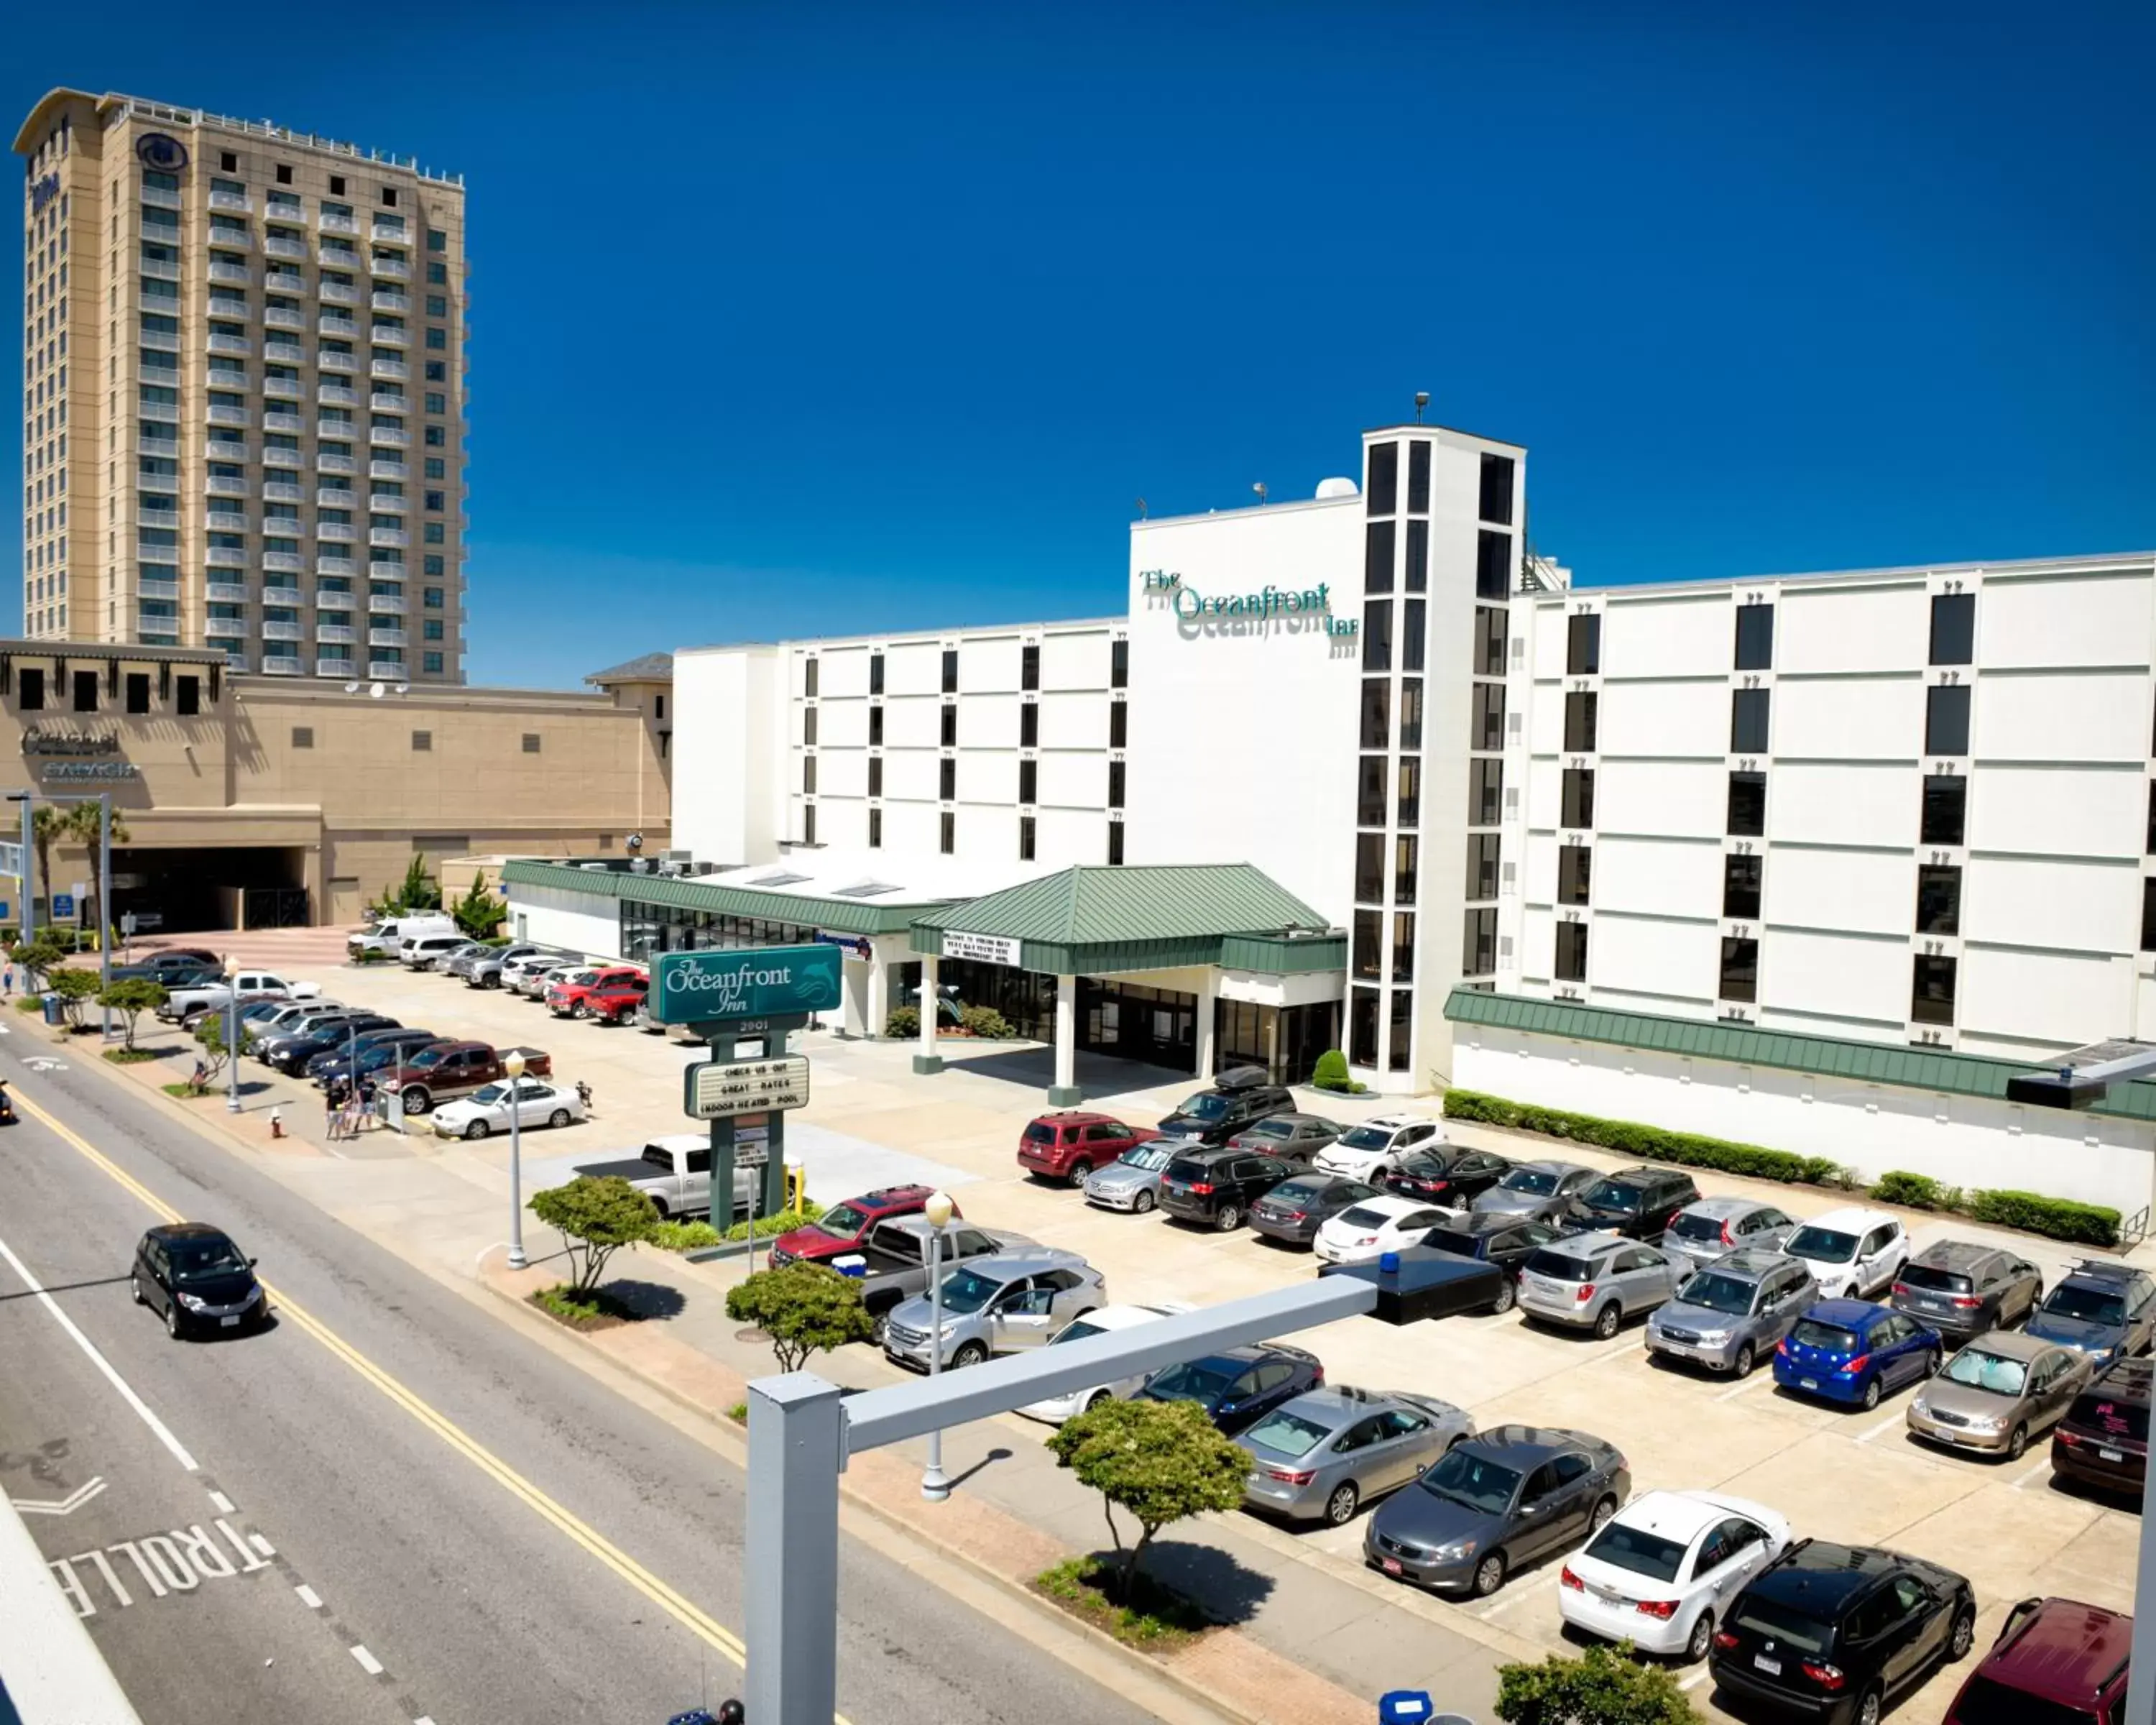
(1322, 1455)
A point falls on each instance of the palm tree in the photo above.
(82, 824)
(47, 824)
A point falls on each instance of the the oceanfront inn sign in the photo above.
(1307, 608)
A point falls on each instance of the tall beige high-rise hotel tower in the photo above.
(243, 393)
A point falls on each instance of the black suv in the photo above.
(1239, 1386)
(1962, 1289)
(1836, 1632)
(1238, 1096)
(1639, 1202)
(2105, 1310)
(1451, 1174)
(1218, 1186)
(2103, 1440)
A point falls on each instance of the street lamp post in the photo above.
(514, 1066)
(935, 1483)
(232, 1033)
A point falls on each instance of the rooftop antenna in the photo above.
(1142, 509)
(1259, 488)
(1421, 401)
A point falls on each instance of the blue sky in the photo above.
(900, 308)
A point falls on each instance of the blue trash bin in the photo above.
(52, 1003)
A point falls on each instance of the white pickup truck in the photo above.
(256, 983)
(675, 1173)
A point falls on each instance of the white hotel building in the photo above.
(1814, 861)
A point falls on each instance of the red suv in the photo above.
(842, 1227)
(2057, 1662)
(1071, 1145)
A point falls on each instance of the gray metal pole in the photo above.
(518, 1261)
(796, 1448)
(232, 1043)
(2141, 1697)
(935, 1483)
(29, 873)
(104, 914)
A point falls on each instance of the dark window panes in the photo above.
(1404, 945)
(138, 691)
(1370, 868)
(1119, 724)
(1115, 772)
(187, 696)
(1029, 726)
(1411, 712)
(1748, 720)
(2149, 914)
(1486, 791)
(808, 823)
(1482, 849)
(1029, 781)
(1381, 492)
(809, 774)
(1367, 956)
(1493, 566)
(1572, 951)
(1413, 627)
(1576, 798)
(1370, 791)
(1362, 1027)
(1399, 1052)
(1740, 971)
(85, 692)
(1418, 478)
(1953, 628)
(32, 697)
(1414, 574)
(1376, 713)
(947, 779)
(2152, 818)
(1114, 845)
(1579, 716)
(1028, 667)
(1755, 637)
(808, 678)
(875, 673)
(950, 727)
(875, 829)
(947, 833)
(1575, 873)
(1410, 797)
(1748, 805)
(1026, 838)
(1378, 635)
(1486, 716)
(1489, 660)
(809, 724)
(1583, 644)
(1404, 868)
(1741, 877)
(875, 727)
(1478, 943)
(950, 670)
(1938, 900)
(1946, 719)
(876, 775)
(1496, 500)
(1932, 991)
(1119, 664)
(1377, 556)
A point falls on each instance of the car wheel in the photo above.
(1867, 1709)
(476, 1129)
(969, 1353)
(1228, 1219)
(416, 1099)
(2036, 1299)
(877, 1326)
(1701, 1640)
(1141, 1204)
(1606, 1322)
(1741, 1366)
(1489, 1575)
(1961, 1637)
(1871, 1395)
(1508, 1296)
(2017, 1442)
(1078, 1170)
(1098, 1398)
(1932, 1362)
(580, 1010)
(172, 1320)
(658, 1207)
(1605, 1513)
(558, 1118)
(1341, 1506)
(135, 1288)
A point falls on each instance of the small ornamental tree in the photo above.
(1604, 1685)
(805, 1308)
(598, 1217)
(211, 1034)
(37, 958)
(479, 913)
(73, 986)
(1160, 1462)
(1330, 1072)
(131, 998)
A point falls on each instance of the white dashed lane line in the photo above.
(223, 1502)
(308, 1596)
(367, 1662)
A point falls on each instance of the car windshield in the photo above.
(1824, 1246)
(1935, 1282)
(1077, 1330)
(1615, 1195)
(1707, 1229)
(1365, 1137)
(1779, 1623)
(1832, 1338)
(581, 978)
(1204, 1104)
(1636, 1549)
(1986, 1701)
(1462, 1476)
(1980, 1369)
(2092, 1305)
(489, 1093)
(428, 1057)
(1559, 1266)
(1718, 1293)
(965, 1290)
(843, 1220)
(1195, 1380)
(2108, 1416)
(200, 1258)
(1536, 1183)
(1287, 1434)
(1147, 1158)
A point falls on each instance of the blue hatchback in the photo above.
(1852, 1352)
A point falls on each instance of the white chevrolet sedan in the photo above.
(1366, 1231)
(1664, 1570)
(487, 1110)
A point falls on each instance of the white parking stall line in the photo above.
(2036, 1469)
(1505, 1602)
(1696, 1679)
(126, 1390)
(367, 1662)
(308, 1596)
(1760, 1375)
(1893, 1422)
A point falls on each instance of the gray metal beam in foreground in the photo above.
(800, 1434)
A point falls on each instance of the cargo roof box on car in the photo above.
(1240, 1078)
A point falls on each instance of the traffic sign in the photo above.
(721, 1090)
(63, 904)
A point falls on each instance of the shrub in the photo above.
(903, 1022)
(1650, 1142)
(1331, 1073)
(685, 1236)
(1604, 1685)
(803, 1307)
(1916, 1192)
(784, 1221)
(984, 1021)
(2057, 1218)
(124, 1056)
(1156, 1617)
(1158, 1462)
(597, 1217)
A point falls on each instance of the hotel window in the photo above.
(1740, 971)
(1029, 726)
(1931, 990)
(1119, 724)
(1362, 1027)
(187, 696)
(2149, 914)
(1415, 577)
(875, 673)
(1495, 502)
(1493, 565)
(1583, 644)
(1410, 713)
(1482, 848)
(1025, 839)
(1381, 493)
(1489, 642)
(2152, 817)
(1576, 798)
(1119, 664)
(1579, 716)
(946, 780)
(1370, 868)
(1378, 635)
(950, 670)
(1377, 704)
(808, 775)
(1741, 878)
(1572, 951)
(1486, 790)
(1401, 1052)
(530, 742)
(808, 725)
(1029, 781)
(1413, 627)
(1028, 667)
(1485, 727)
(1404, 945)
(1369, 956)
(1114, 845)
(807, 823)
(437, 241)
(438, 274)
(1370, 784)
(423, 742)
(1377, 556)
(1409, 810)
(1115, 784)
(1938, 901)
(950, 726)
(1953, 628)
(947, 832)
(1755, 637)
(1748, 805)
(85, 692)
(138, 691)
(1575, 868)
(1946, 719)
(876, 775)
(1403, 867)
(1418, 478)
(808, 678)
(875, 727)
(1478, 943)
(1748, 720)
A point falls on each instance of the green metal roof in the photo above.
(704, 892)
(1923, 1069)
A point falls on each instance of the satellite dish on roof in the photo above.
(1336, 487)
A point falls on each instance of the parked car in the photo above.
(266, 1043)
(674, 1171)
(445, 1070)
(1852, 1352)
(1323, 1455)
(571, 996)
(1835, 1633)
(2103, 1440)
(842, 1227)
(1238, 1386)
(193, 1276)
(1853, 1253)
(1374, 1149)
(1666, 1568)
(1962, 1289)
(616, 1003)
(181, 1001)
(386, 938)
(1547, 1191)
(1294, 1210)
(1496, 1502)
(1003, 1303)
(1997, 1392)
(1450, 1174)
(459, 963)
(1218, 1187)
(1069, 1145)
(516, 973)
(895, 1258)
(426, 951)
(256, 1014)
(2055, 1663)
(1639, 1202)
(169, 966)
(1595, 1282)
(644, 1021)
(1703, 1232)
(1238, 1097)
(387, 1049)
(1734, 1313)
(1131, 1182)
(1100, 1322)
(492, 966)
(2106, 1309)
(289, 1054)
(1292, 1138)
(1365, 1232)
(1502, 1241)
(486, 1110)
(532, 983)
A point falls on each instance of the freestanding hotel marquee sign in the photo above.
(1191, 606)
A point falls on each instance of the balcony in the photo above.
(230, 344)
(283, 317)
(388, 603)
(384, 403)
(395, 536)
(277, 419)
(144, 589)
(386, 571)
(336, 632)
(280, 590)
(284, 388)
(337, 395)
(385, 638)
(219, 593)
(278, 244)
(388, 470)
(282, 665)
(329, 461)
(281, 491)
(395, 269)
(336, 566)
(333, 324)
(334, 499)
(290, 562)
(169, 376)
(396, 439)
(230, 415)
(391, 335)
(392, 670)
(284, 353)
(337, 532)
(340, 293)
(236, 274)
(226, 628)
(284, 631)
(225, 485)
(390, 300)
(281, 279)
(388, 500)
(225, 521)
(157, 198)
(150, 553)
(334, 668)
(238, 202)
(164, 340)
(393, 231)
(226, 556)
(394, 369)
(337, 224)
(229, 376)
(330, 359)
(168, 447)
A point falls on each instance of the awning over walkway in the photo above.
(1098, 921)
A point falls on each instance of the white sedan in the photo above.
(1371, 1151)
(1366, 1231)
(1098, 1322)
(1664, 1570)
(487, 1110)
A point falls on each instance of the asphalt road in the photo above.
(332, 1554)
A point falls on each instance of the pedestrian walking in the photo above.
(8, 977)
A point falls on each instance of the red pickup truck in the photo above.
(576, 995)
(616, 1003)
(450, 1069)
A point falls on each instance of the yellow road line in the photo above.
(579, 1532)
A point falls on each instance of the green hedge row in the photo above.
(2060, 1218)
(1628, 1138)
